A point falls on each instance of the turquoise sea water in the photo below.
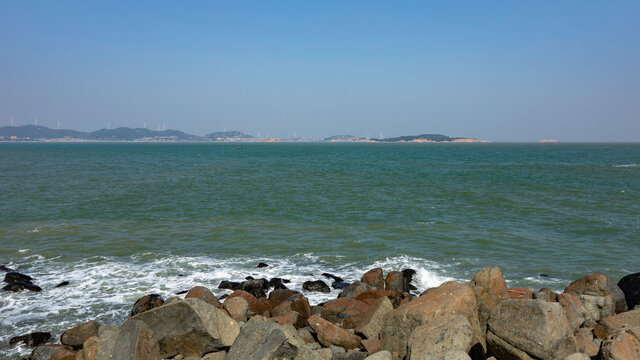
(120, 220)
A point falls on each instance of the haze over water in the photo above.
(123, 220)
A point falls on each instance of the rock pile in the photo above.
(376, 318)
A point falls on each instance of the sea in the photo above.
(122, 220)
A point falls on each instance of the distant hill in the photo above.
(38, 132)
(129, 134)
(336, 138)
(416, 138)
(228, 136)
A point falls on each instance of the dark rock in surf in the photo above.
(5, 268)
(249, 278)
(64, 283)
(277, 284)
(17, 286)
(33, 339)
(14, 276)
(630, 286)
(182, 292)
(147, 303)
(231, 285)
(316, 286)
(335, 278)
(339, 284)
(262, 265)
(257, 288)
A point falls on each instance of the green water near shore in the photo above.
(118, 212)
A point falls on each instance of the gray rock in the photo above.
(536, 327)
(76, 336)
(456, 355)
(135, 342)
(220, 355)
(577, 356)
(44, 352)
(438, 337)
(190, 327)
(380, 355)
(597, 308)
(373, 319)
(598, 284)
(107, 336)
(355, 289)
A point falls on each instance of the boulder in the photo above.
(339, 285)
(573, 309)
(546, 295)
(76, 336)
(521, 293)
(435, 339)
(372, 345)
(290, 318)
(490, 288)
(381, 355)
(14, 276)
(17, 286)
(598, 284)
(237, 308)
(64, 283)
(623, 346)
(597, 308)
(147, 303)
(256, 305)
(585, 343)
(376, 294)
(297, 303)
(190, 327)
(107, 336)
(201, 292)
(277, 283)
(306, 334)
(46, 352)
(257, 288)
(577, 356)
(263, 340)
(330, 334)
(449, 298)
(395, 281)
(33, 339)
(90, 348)
(6, 268)
(536, 327)
(218, 355)
(316, 286)
(230, 285)
(337, 311)
(630, 286)
(136, 341)
(262, 265)
(276, 297)
(355, 289)
(372, 320)
(374, 278)
(350, 355)
(456, 355)
(333, 277)
(611, 325)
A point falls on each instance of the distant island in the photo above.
(35, 133)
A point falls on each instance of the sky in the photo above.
(499, 71)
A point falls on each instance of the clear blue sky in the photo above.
(502, 71)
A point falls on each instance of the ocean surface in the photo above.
(121, 220)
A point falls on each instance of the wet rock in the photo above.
(257, 288)
(489, 288)
(372, 320)
(33, 339)
(630, 286)
(203, 293)
(196, 327)
(18, 286)
(64, 283)
(449, 298)
(339, 284)
(231, 285)
(277, 284)
(612, 325)
(316, 286)
(262, 265)
(76, 336)
(535, 327)
(333, 277)
(374, 278)
(355, 289)
(436, 338)
(249, 278)
(14, 277)
(147, 303)
(624, 346)
(599, 285)
(260, 340)
(5, 268)
(330, 334)
(181, 292)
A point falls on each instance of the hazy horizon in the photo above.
(502, 72)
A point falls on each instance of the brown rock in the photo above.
(78, 335)
(436, 338)
(573, 309)
(584, 340)
(449, 298)
(90, 348)
(201, 292)
(374, 278)
(490, 288)
(355, 289)
(501, 349)
(623, 346)
(599, 285)
(546, 295)
(136, 341)
(521, 293)
(147, 303)
(279, 295)
(613, 324)
(297, 303)
(306, 334)
(395, 282)
(372, 345)
(45, 352)
(330, 334)
(237, 308)
(290, 318)
(537, 327)
(256, 305)
(340, 309)
(63, 353)
(371, 322)
(377, 294)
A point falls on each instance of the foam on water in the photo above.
(627, 165)
(105, 288)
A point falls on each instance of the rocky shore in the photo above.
(380, 317)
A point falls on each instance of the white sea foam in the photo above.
(627, 165)
(105, 289)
